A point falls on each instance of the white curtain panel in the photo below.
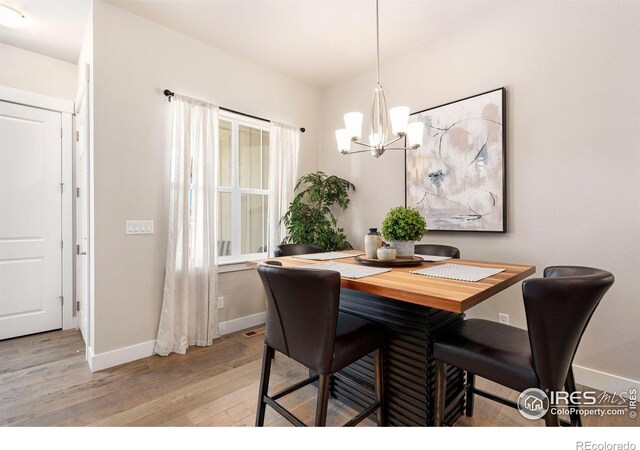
(189, 316)
(284, 146)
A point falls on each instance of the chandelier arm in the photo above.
(393, 141)
(363, 144)
(400, 148)
(351, 152)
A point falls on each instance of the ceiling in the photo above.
(53, 27)
(314, 41)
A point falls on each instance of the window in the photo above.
(242, 188)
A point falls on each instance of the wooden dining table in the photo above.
(412, 309)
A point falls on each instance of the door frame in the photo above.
(66, 109)
(84, 96)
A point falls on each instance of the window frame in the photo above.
(236, 191)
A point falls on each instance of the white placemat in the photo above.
(324, 256)
(346, 270)
(433, 258)
(458, 272)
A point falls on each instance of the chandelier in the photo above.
(380, 117)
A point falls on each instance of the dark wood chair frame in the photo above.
(471, 390)
(324, 384)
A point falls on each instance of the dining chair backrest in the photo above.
(558, 309)
(295, 249)
(302, 313)
(437, 250)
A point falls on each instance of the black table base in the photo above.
(409, 368)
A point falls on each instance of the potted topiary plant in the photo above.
(402, 227)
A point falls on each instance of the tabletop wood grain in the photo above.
(449, 295)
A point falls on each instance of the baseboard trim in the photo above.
(119, 356)
(603, 381)
(124, 355)
(587, 377)
(88, 356)
(242, 323)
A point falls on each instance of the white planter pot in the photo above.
(405, 249)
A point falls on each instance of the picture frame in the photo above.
(457, 178)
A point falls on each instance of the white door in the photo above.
(30, 220)
(82, 215)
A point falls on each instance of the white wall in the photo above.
(573, 156)
(33, 72)
(134, 61)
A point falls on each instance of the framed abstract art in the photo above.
(457, 178)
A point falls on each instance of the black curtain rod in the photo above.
(170, 94)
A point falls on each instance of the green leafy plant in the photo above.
(309, 219)
(403, 224)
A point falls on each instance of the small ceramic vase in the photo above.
(386, 253)
(372, 242)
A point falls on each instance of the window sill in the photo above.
(233, 266)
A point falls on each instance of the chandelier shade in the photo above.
(415, 133)
(343, 139)
(399, 120)
(353, 123)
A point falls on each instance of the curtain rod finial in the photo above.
(169, 94)
(302, 130)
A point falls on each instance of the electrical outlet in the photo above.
(220, 302)
(503, 318)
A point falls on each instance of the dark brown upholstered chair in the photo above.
(304, 323)
(437, 250)
(558, 308)
(295, 249)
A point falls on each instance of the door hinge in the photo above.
(77, 136)
(61, 132)
(77, 192)
(61, 187)
(78, 249)
(77, 305)
(61, 244)
(61, 297)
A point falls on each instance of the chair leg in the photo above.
(267, 356)
(551, 420)
(570, 386)
(471, 385)
(379, 371)
(323, 400)
(441, 392)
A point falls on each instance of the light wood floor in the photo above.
(45, 381)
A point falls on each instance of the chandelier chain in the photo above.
(378, 42)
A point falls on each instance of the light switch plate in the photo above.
(139, 227)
